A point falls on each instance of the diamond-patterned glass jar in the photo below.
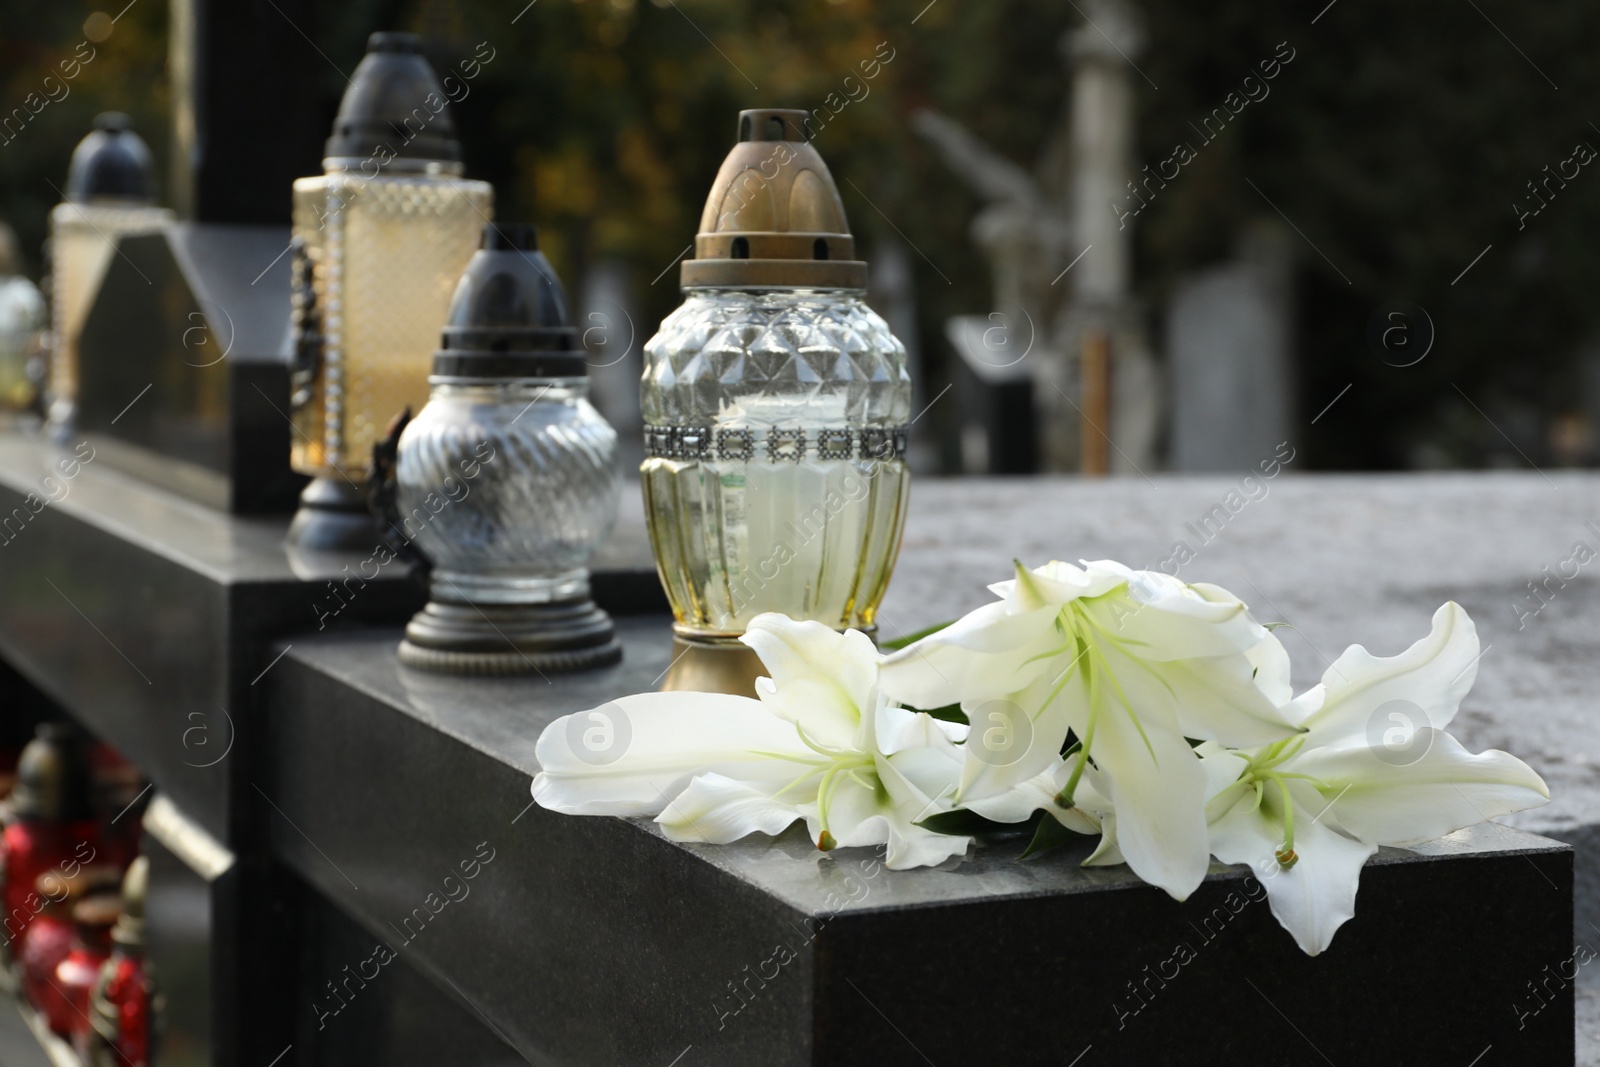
(776, 405)
(775, 477)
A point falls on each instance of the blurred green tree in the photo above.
(1396, 142)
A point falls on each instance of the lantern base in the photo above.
(60, 419)
(713, 667)
(333, 515)
(502, 639)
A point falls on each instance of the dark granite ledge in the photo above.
(149, 617)
(598, 941)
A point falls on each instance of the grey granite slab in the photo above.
(1346, 559)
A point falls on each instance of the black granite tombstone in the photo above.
(183, 365)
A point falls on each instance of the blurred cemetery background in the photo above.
(1206, 229)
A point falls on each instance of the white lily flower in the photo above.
(1091, 812)
(1132, 663)
(821, 744)
(1374, 767)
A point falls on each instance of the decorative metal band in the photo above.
(778, 445)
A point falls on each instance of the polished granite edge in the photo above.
(502, 719)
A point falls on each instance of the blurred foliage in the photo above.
(1395, 142)
(44, 114)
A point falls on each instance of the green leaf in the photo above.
(1278, 625)
(949, 713)
(901, 642)
(963, 823)
(1047, 835)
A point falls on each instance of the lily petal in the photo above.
(986, 653)
(1106, 854)
(1426, 682)
(1158, 788)
(900, 728)
(862, 817)
(1271, 663)
(818, 679)
(1317, 895)
(718, 810)
(631, 756)
(1038, 793)
(1054, 583)
(1164, 619)
(1441, 789)
(1016, 736)
(1213, 698)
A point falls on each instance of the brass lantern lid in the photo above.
(774, 218)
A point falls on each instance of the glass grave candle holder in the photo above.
(76, 974)
(53, 825)
(123, 1003)
(22, 318)
(776, 405)
(111, 192)
(506, 481)
(382, 237)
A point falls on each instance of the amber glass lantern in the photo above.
(382, 236)
(111, 192)
(776, 405)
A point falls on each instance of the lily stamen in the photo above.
(1286, 856)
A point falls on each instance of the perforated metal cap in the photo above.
(774, 217)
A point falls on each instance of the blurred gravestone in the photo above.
(611, 334)
(1228, 343)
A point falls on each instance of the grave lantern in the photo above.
(111, 191)
(507, 479)
(384, 233)
(776, 405)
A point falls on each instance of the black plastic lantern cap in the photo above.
(112, 163)
(509, 316)
(393, 43)
(394, 107)
(53, 776)
(510, 237)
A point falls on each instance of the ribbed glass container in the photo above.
(775, 475)
(385, 255)
(508, 487)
